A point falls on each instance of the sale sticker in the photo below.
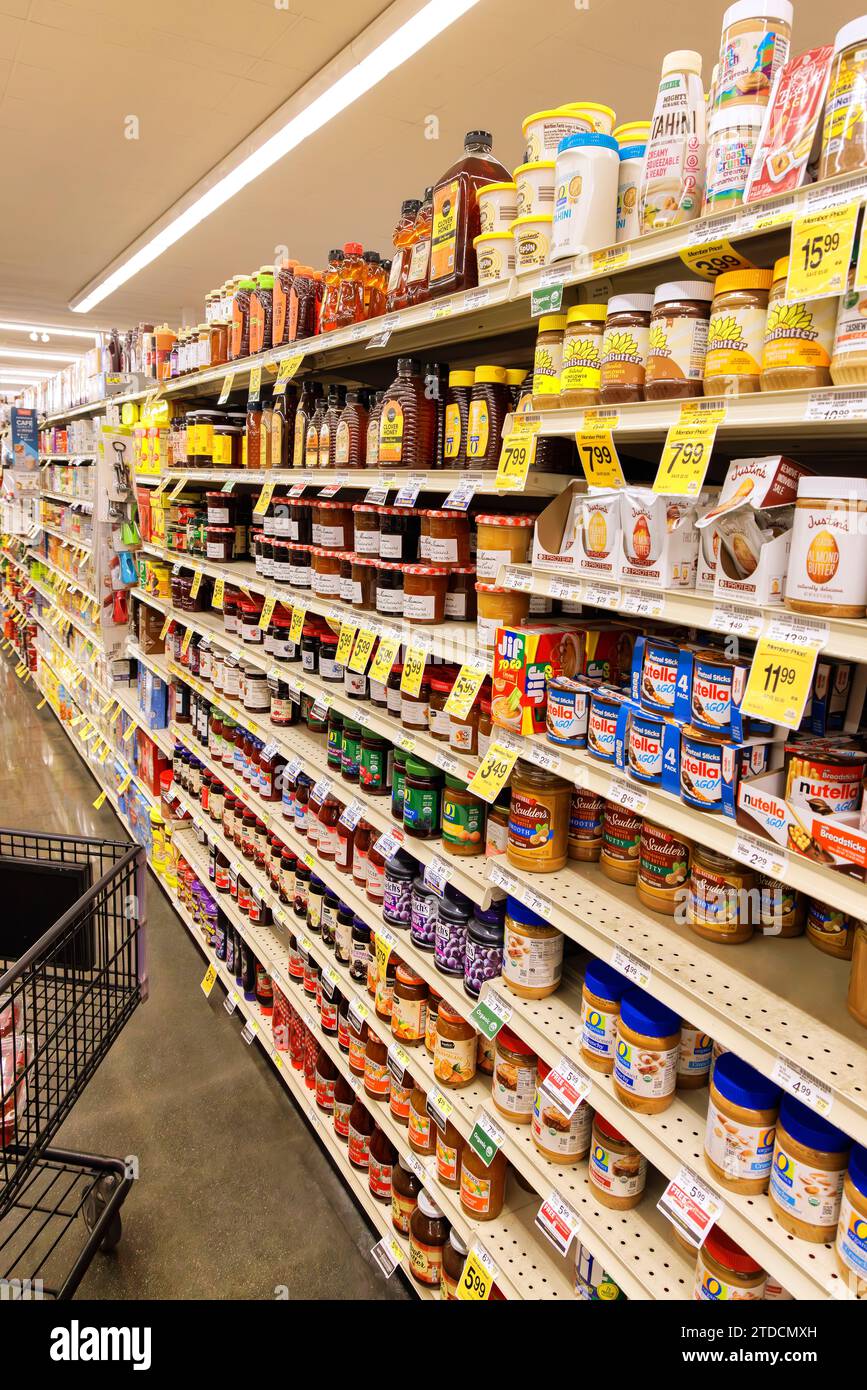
(687, 449)
(344, 643)
(413, 670)
(780, 681)
(386, 653)
(285, 372)
(219, 593)
(464, 691)
(477, 1277)
(597, 450)
(691, 1206)
(558, 1222)
(494, 771)
(226, 389)
(362, 650)
(267, 612)
(714, 258)
(263, 499)
(517, 456)
(296, 626)
(820, 251)
(208, 981)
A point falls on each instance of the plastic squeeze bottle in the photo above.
(672, 182)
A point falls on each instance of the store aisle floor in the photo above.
(235, 1193)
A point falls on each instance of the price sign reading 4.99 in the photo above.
(781, 677)
(687, 450)
(820, 252)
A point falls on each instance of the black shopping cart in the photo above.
(72, 945)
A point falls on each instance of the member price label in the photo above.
(478, 1276)
(761, 856)
(558, 1222)
(407, 495)
(387, 1254)
(491, 1014)
(687, 449)
(800, 632)
(631, 966)
(691, 1206)
(286, 371)
(802, 1084)
(296, 626)
(464, 691)
(713, 258)
(517, 456)
(820, 252)
(437, 874)
(387, 845)
(741, 622)
(263, 500)
(494, 771)
(267, 612)
(351, 815)
(386, 653)
(486, 1138)
(344, 643)
(780, 681)
(208, 981)
(362, 650)
(601, 595)
(567, 1085)
(185, 640)
(627, 796)
(597, 450)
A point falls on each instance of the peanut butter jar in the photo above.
(617, 1171)
(741, 1125)
(601, 994)
(645, 1062)
(807, 1175)
(726, 1273)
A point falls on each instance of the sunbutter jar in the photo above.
(645, 1062)
(741, 1125)
(624, 348)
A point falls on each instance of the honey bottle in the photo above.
(314, 428)
(303, 304)
(350, 445)
(371, 278)
(241, 318)
(490, 403)
(456, 215)
(396, 297)
(282, 426)
(330, 287)
(408, 421)
(419, 256)
(350, 291)
(457, 413)
(372, 450)
(265, 427)
(328, 430)
(303, 415)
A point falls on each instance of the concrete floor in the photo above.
(236, 1197)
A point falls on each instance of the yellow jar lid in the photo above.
(588, 106)
(552, 323)
(515, 376)
(461, 378)
(540, 116)
(534, 164)
(532, 217)
(496, 188)
(587, 313)
(626, 133)
(490, 376)
(781, 268)
(743, 280)
(491, 236)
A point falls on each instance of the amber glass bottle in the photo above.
(372, 459)
(311, 443)
(419, 253)
(328, 429)
(282, 426)
(402, 239)
(456, 215)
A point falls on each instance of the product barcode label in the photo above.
(408, 493)
(601, 595)
(520, 581)
(351, 815)
(567, 1085)
(643, 603)
(446, 762)
(558, 1222)
(836, 405)
(627, 796)
(691, 1206)
(742, 622)
(807, 1088)
(572, 590)
(330, 981)
(475, 299)
(249, 1031)
(293, 768)
(460, 497)
(800, 632)
(376, 496)
(542, 756)
(230, 1003)
(631, 966)
(761, 856)
(387, 1254)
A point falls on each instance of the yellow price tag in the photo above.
(477, 1278)
(267, 612)
(219, 591)
(344, 643)
(74, 723)
(383, 954)
(598, 454)
(493, 772)
(178, 487)
(780, 681)
(285, 372)
(384, 659)
(413, 670)
(820, 251)
(296, 627)
(164, 630)
(208, 981)
(196, 584)
(186, 640)
(464, 691)
(124, 786)
(255, 384)
(609, 258)
(100, 801)
(687, 450)
(361, 651)
(128, 733)
(43, 701)
(226, 390)
(714, 258)
(517, 457)
(263, 499)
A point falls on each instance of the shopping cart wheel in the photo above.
(95, 1204)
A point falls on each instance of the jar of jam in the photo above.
(409, 1007)
(399, 529)
(490, 403)
(424, 593)
(414, 709)
(447, 538)
(460, 604)
(363, 583)
(483, 1186)
(389, 589)
(420, 1127)
(405, 1189)
(428, 1233)
(376, 1074)
(625, 346)
(454, 1048)
(422, 799)
(463, 819)
(366, 529)
(678, 339)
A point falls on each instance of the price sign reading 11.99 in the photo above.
(781, 677)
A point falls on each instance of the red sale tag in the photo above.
(691, 1206)
(567, 1085)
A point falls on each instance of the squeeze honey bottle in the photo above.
(401, 239)
(455, 215)
(350, 443)
(408, 420)
(419, 252)
(371, 270)
(328, 428)
(331, 285)
(350, 291)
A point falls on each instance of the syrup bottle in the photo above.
(303, 415)
(331, 285)
(456, 215)
(311, 443)
(419, 259)
(328, 430)
(350, 446)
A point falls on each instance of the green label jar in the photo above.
(374, 770)
(463, 819)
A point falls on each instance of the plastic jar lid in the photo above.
(858, 1167)
(494, 188)
(741, 1084)
(552, 323)
(743, 279)
(586, 313)
(531, 217)
(522, 915)
(456, 1243)
(723, 1249)
(603, 980)
(464, 378)
(608, 1130)
(842, 488)
(513, 1043)
(490, 376)
(853, 32)
(682, 60)
(416, 768)
(587, 106)
(492, 236)
(534, 164)
(637, 151)
(630, 304)
(542, 116)
(683, 289)
(589, 140)
(644, 1014)
(495, 519)
(781, 268)
(759, 9)
(811, 1130)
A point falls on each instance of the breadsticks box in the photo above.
(525, 659)
(833, 840)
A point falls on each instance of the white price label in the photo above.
(230, 1003)
(292, 768)
(447, 763)
(388, 1255)
(803, 1085)
(519, 581)
(475, 299)
(376, 496)
(553, 275)
(437, 874)
(351, 815)
(268, 752)
(407, 494)
(836, 405)
(558, 1222)
(398, 1062)
(567, 1085)
(691, 1206)
(460, 498)
(387, 845)
(631, 966)
(540, 906)
(761, 856)
(414, 1163)
(321, 789)
(601, 595)
(728, 617)
(542, 756)
(330, 981)
(501, 879)
(572, 590)
(357, 1013)
(643, 603)
(249, 1032)
(800, 632)
(627, 796)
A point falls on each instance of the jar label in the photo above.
(741, 1151)
(462, 824)
(426, 1262)
(547, 364)
(488, 563)
(827, 561)
(582, 362)
(555, 1132)
(810, 1194)
(359, 1148)
(342, 441)
(475, 1192)
(408, 1019)
(379, 1178)
(418, 262)
(799, 334)
(419, 607)
(531, 963)
(598, 1030)
(444, 230)
(624, 356)
(311, 448)
(751, 54)
(447, 1161)
(734, 342)
(452, 446)
(852, 1238)
(514, 1088)
(650, 1073)
(478, 430)
(402, 1209)
(709, 1288)
(391, 431)
(694, 1054)
(419, 1130)
(341, 1117)
(454, 1059)
(324, 1093)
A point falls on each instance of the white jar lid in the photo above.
(735, 116)
(683, 289)
(843, 489)
(428, 1205)
(758, 9)
(853, 32)
(630, 304)
(682, 60)
(456, 1243)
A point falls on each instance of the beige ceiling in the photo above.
(201, 74)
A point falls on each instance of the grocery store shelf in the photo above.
(66, 458)
(761, 231)
(846, 638)
(431, 480)
(84, 546)
(160, 604)
(89, 633)
(61, 574)
(85, 502)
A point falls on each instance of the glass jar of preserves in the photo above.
(799, 338)
(424, 593)
(736, 333)
(428, 1233)
(405, 1189)
(501, 539)
(446, 538)
(366, 529)
(463, 819)
(449, 1148)
(454, 1048)
(420, 1128)
(422, 798)
(496, 607)
(483, 1186)
(409, 1007)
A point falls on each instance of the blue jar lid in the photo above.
(858, 1167)
(810, 1129)
(644, 1014)
(632, 151)
(743, 1085)
(588, 138)
(519, 913)
(603, 980)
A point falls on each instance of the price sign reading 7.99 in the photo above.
(687, 450)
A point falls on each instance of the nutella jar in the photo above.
(624, 348)
(678, 339)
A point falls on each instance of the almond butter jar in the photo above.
(645, 1062)
(807, 1173)
(739, 1136)
(678, 339)
(827, 573)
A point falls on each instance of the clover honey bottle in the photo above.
(455, 219)
(407, 424)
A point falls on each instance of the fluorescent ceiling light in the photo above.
(404, 43)
(49, 328)
(37, 355)
(26, 373)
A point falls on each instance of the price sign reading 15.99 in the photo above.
(821, 248)
(781, 677)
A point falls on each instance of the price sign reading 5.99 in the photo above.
(781, 677)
